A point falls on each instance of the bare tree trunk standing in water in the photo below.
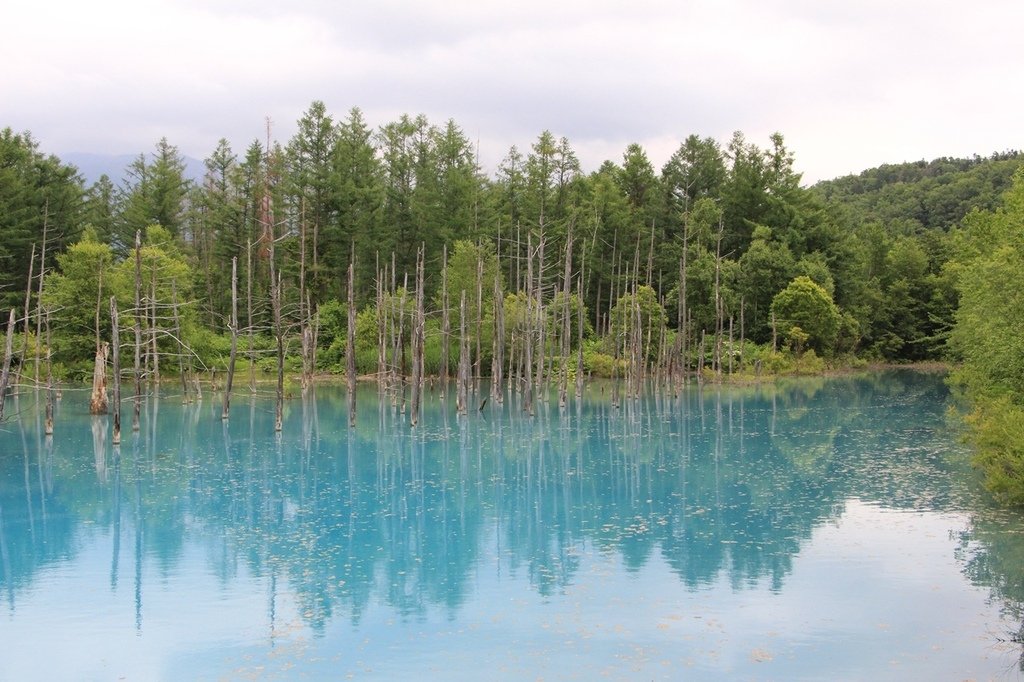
(28, 306)
(498, 357)
(446, 325)
(39, 292)
(579, 339)
(116, 370)
(462, 390)
(566, 289)
(234, 339)
(350, 346)
(48, 423)
(5, 374)
(528, 331)
(98, 400)
(417, 342)
(137, 409)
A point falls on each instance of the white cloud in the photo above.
(848, 84)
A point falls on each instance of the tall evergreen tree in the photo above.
(311, 187)
(154, 194)
(358, 196)
(38, 194)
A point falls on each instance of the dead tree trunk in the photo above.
(446, 325)
(461, 396)
(382, 355)
(417, 343)
(719, 303)
(5, 373)
(303, 335)
(28, 307)
(566, 289)
(541, 393)
(279, 336)
(684, 324)
(98, 399)
(48, 421)
(248, 322)
(182, 371)
(579, 338)
(39, 291)
(498, 352)
(528, 331)
(116, 369)
(234, 339)
(154, 326)
(613, 292)
(479, 315)
(402, 367)
(137, 409)
(350, 345)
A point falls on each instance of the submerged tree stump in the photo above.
(98, 399)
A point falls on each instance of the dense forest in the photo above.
(380, 249)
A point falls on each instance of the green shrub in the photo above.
(997, 432)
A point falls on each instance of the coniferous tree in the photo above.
(358, 196)
(38, 194)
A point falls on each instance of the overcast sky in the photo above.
(850, 84)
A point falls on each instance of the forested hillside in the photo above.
(713, 238)
(371, 249)
(931, 195)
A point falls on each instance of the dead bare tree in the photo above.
(5, 373)
(234, 340)
(48, 419)
(350, 346)
(116, 369)
(497, 354)
(417, 341)
(137, 314)
(461, 396)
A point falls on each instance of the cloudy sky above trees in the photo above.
(849, 84)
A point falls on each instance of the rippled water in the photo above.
(818, 529)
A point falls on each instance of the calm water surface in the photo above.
(819, 529)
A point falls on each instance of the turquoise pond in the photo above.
(814, 529)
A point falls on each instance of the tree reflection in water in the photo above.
(715, 482)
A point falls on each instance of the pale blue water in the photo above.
(821, 529)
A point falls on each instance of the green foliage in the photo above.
(341, 187)
(991, 314)
(209, 349)
(37, 193)
(997, 432)
(464, 259)
(931, 195)
(366, 339)
(556, 311)
(599, 364)
(333, 332)
(806, 306)
(155, 194)
(797, 338)
(988, 338)
(84, 282)
(765, 270)
(641, 308)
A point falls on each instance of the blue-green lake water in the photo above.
(817, 529)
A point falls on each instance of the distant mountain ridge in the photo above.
(91, 166)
